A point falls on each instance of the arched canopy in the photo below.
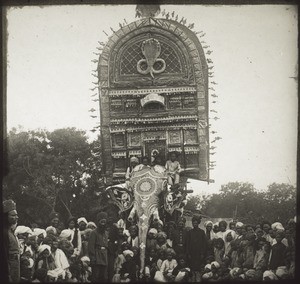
(153, 98)
(180, 50)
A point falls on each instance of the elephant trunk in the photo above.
(143, 230)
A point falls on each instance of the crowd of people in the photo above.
(108, 251)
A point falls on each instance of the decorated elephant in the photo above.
(147, 192)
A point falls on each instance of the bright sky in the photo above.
(255, 51)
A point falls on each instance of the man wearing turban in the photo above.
(11, 244)
(134, 161)
(196, 248)
(97, 248)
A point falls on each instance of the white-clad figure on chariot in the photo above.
(144, 164)
(134, 161)
(173, 168)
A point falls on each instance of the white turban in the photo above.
(23, 230)
(134, 159)
(153, 231)
(38, 231)
(281, 271)
(233, 234)
(31, 263)
(65, 234)
(85, 259)
(270, 274)
(207, 275)
(239, 225)
(121, 224)
(128, 252)
(207, 222)
(126, 233)
(29, 249)
(89, 224)
(82, 219)
(44, 247)
(215, 264)
(277, 226)
(51, 228)
(234, 272)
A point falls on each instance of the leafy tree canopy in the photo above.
(242, 201)
(58, 170)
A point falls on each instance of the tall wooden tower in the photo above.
(153, 92)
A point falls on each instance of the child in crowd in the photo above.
(133, 239)
(278, 253)
(166, 269)
(181, 272)
(160, 258)
(150, 264)
(222, 229)
(261, 258)
(161, 241)
(219, 250)
(151, 240)
(128, 269)
(45, 260)
(229, 236)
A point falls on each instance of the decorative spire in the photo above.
(145, 11)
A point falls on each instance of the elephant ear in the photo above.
(121, 197)
(173, 200)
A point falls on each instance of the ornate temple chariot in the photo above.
(153, 92)
(153, 86)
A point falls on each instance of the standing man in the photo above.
(97, 248)
(134, 161)
(179, 242)
(196, 248)
(11, 244)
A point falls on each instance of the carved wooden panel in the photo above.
(119, 164)
(175, 137)
(192, 160)
(132, 105)
(118, 140)
(116, 105)
(134, 139)
(175, 102)
(190, 136)
(189, 101)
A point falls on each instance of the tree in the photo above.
(56, 170)
(243, 201)
(193, 203)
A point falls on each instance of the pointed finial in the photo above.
(146, 11)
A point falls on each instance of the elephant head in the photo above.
(147, 185)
